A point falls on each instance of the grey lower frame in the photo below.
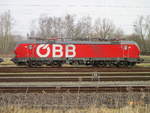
(85, 61)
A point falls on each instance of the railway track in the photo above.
(72, 69)
(75, 82)
(75, 77)
(53, 82)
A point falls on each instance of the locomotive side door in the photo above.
(31, 52)
(125, 51)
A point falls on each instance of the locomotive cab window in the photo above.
(30, 47)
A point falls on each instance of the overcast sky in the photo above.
(122, 12)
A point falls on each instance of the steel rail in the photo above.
(73, 69)
(72, 77)
(75, 89)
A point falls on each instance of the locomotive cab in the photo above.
(133, 52)
(21, 54)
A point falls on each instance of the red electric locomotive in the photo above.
(104, 53)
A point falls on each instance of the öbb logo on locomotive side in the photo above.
(57, 50)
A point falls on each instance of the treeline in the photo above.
(70, 27)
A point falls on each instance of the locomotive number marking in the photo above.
(57, 50)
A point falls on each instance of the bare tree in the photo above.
(49, 27)
(134, 37)
(6, 38)
(57, 27)
(118, 34)
(104, 28)
(69, 27)
(142, 29)
(148, 27)
(45, 27)
(83, 28)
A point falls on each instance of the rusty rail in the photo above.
(72, 69)
(74, 77)
(74, 89)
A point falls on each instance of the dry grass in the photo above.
(74, 103)
(91, 109)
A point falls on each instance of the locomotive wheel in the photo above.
(30, 65)
(99, 64)
(122, 64)
(33, 64)
(20, 63)
(56, 64)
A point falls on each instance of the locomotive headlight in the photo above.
(125, 47)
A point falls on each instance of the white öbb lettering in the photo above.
(57, 50)
(43, 46)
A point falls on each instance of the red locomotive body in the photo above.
(106, 53)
